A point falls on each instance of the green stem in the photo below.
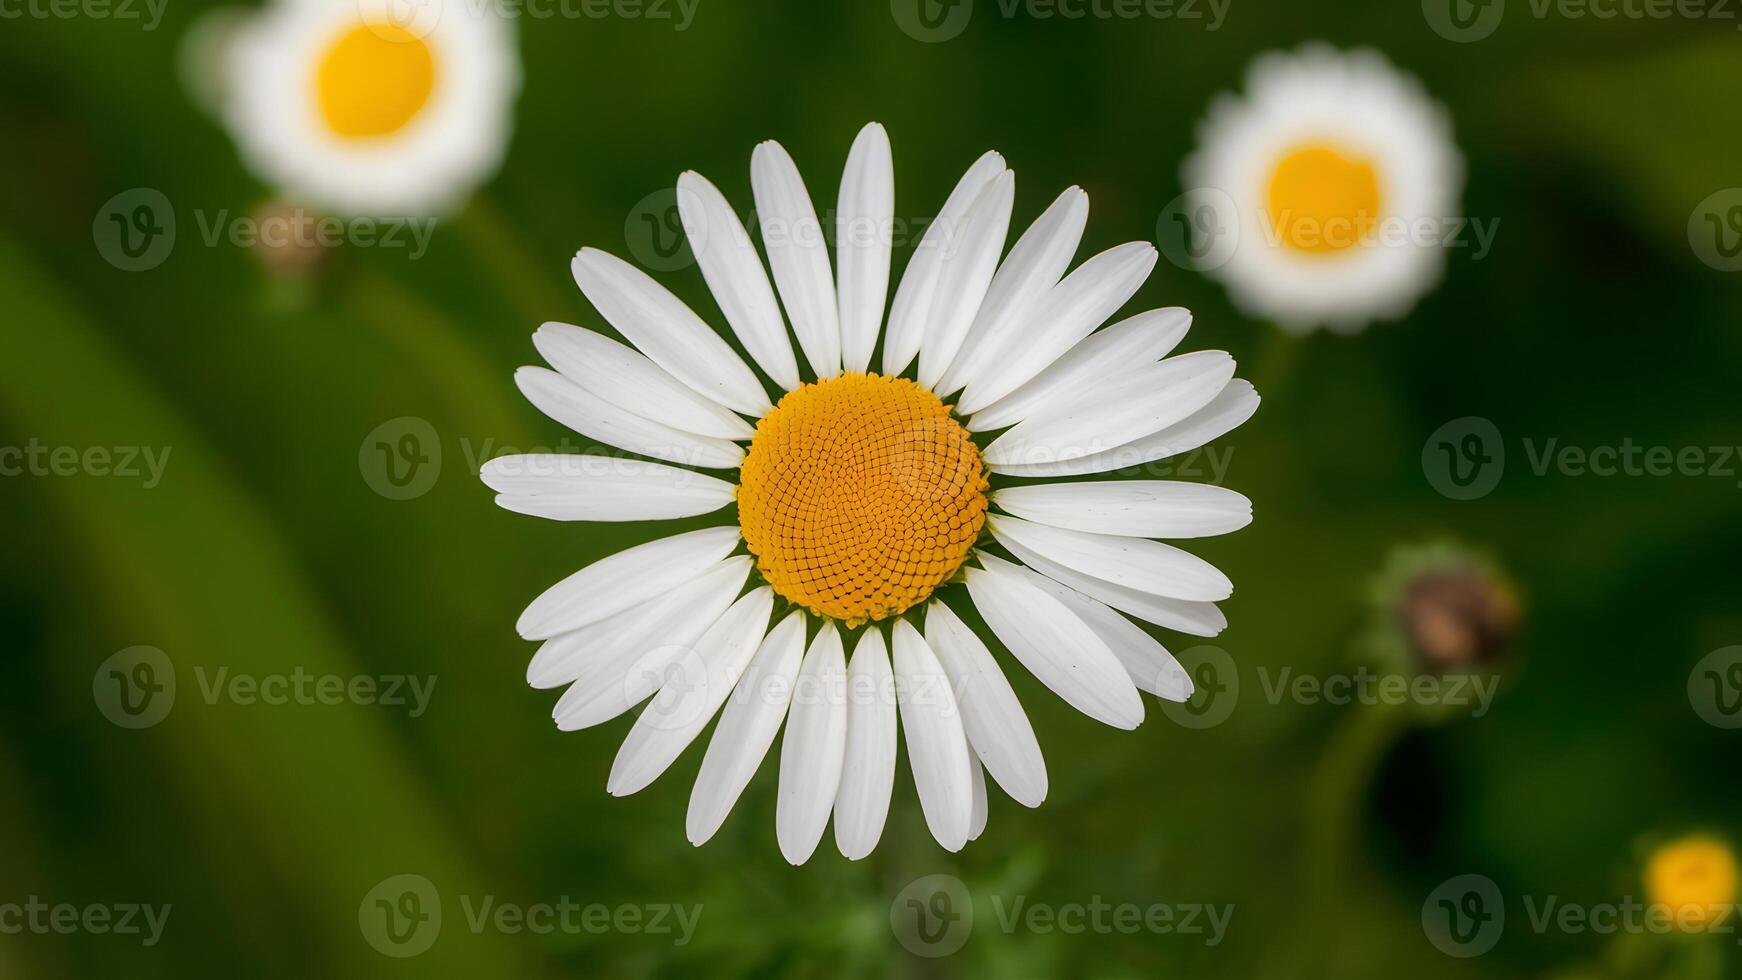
(492, 240)
(1275, 359)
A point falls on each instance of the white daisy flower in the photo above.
(1338, 178)
(860, 496)
(349, 105)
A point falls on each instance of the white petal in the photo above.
(695, 687)
(1035, 264)
(735, 276)
(868, 769)
(746, 729)
(1151, 667)
(977, 817)
(614, 643)
(992, 717)
(1194, 618)
(1126, 407)
(1134, 508)
(911, 308)
(627, 578)
(1142, 339)
(667, 331)
(865, 217)
(937, 749)
(626, 378)
(1081, 302)
(1057, 648)
(799, 255)
(1222, 415)
(964, 276)
(1136, 563)
(812, 750)
(595, 418)
(566, 487)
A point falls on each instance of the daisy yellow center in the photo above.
(1321, 200)
(373, 80)
(860, 495)
(1695, 878)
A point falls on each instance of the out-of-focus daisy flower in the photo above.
(1694, 879)
(861, 495)
(341, 104)
(1334, 183)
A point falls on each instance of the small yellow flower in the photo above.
(1695, 879)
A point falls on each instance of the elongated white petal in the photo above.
(746, 729)
(1126, 407)
(627, 578)
(567, 487)
(595, 418)
(911, 308)
(667, 331)
(1226, 412)
(1142, 339)
(1194, 618)
(992, 717)
(799, 255)
(981, 806)
(735, 276)
(1035, 264)
(813, 748)
(868, 770)
(1132, 508)
(1136, 563)
(865, 216)
(965, 275)
(695, 686)
(611, 680)
(626, 378)
(613, 643)
(1151, 667)
(1071, 311)
(937, 748)
(1057, 647)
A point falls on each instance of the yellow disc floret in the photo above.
(1694, 878)
(373, 80)
(1323, 201)
(860, 495)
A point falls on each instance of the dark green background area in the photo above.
(264, 549)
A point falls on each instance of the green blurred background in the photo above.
(264, 548)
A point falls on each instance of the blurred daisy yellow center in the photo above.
(860, 495)
(1322, 200)
(373, 80)
(1695, 879)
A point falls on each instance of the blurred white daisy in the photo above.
(1334, 184)
(354, 106)
(861, 495)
